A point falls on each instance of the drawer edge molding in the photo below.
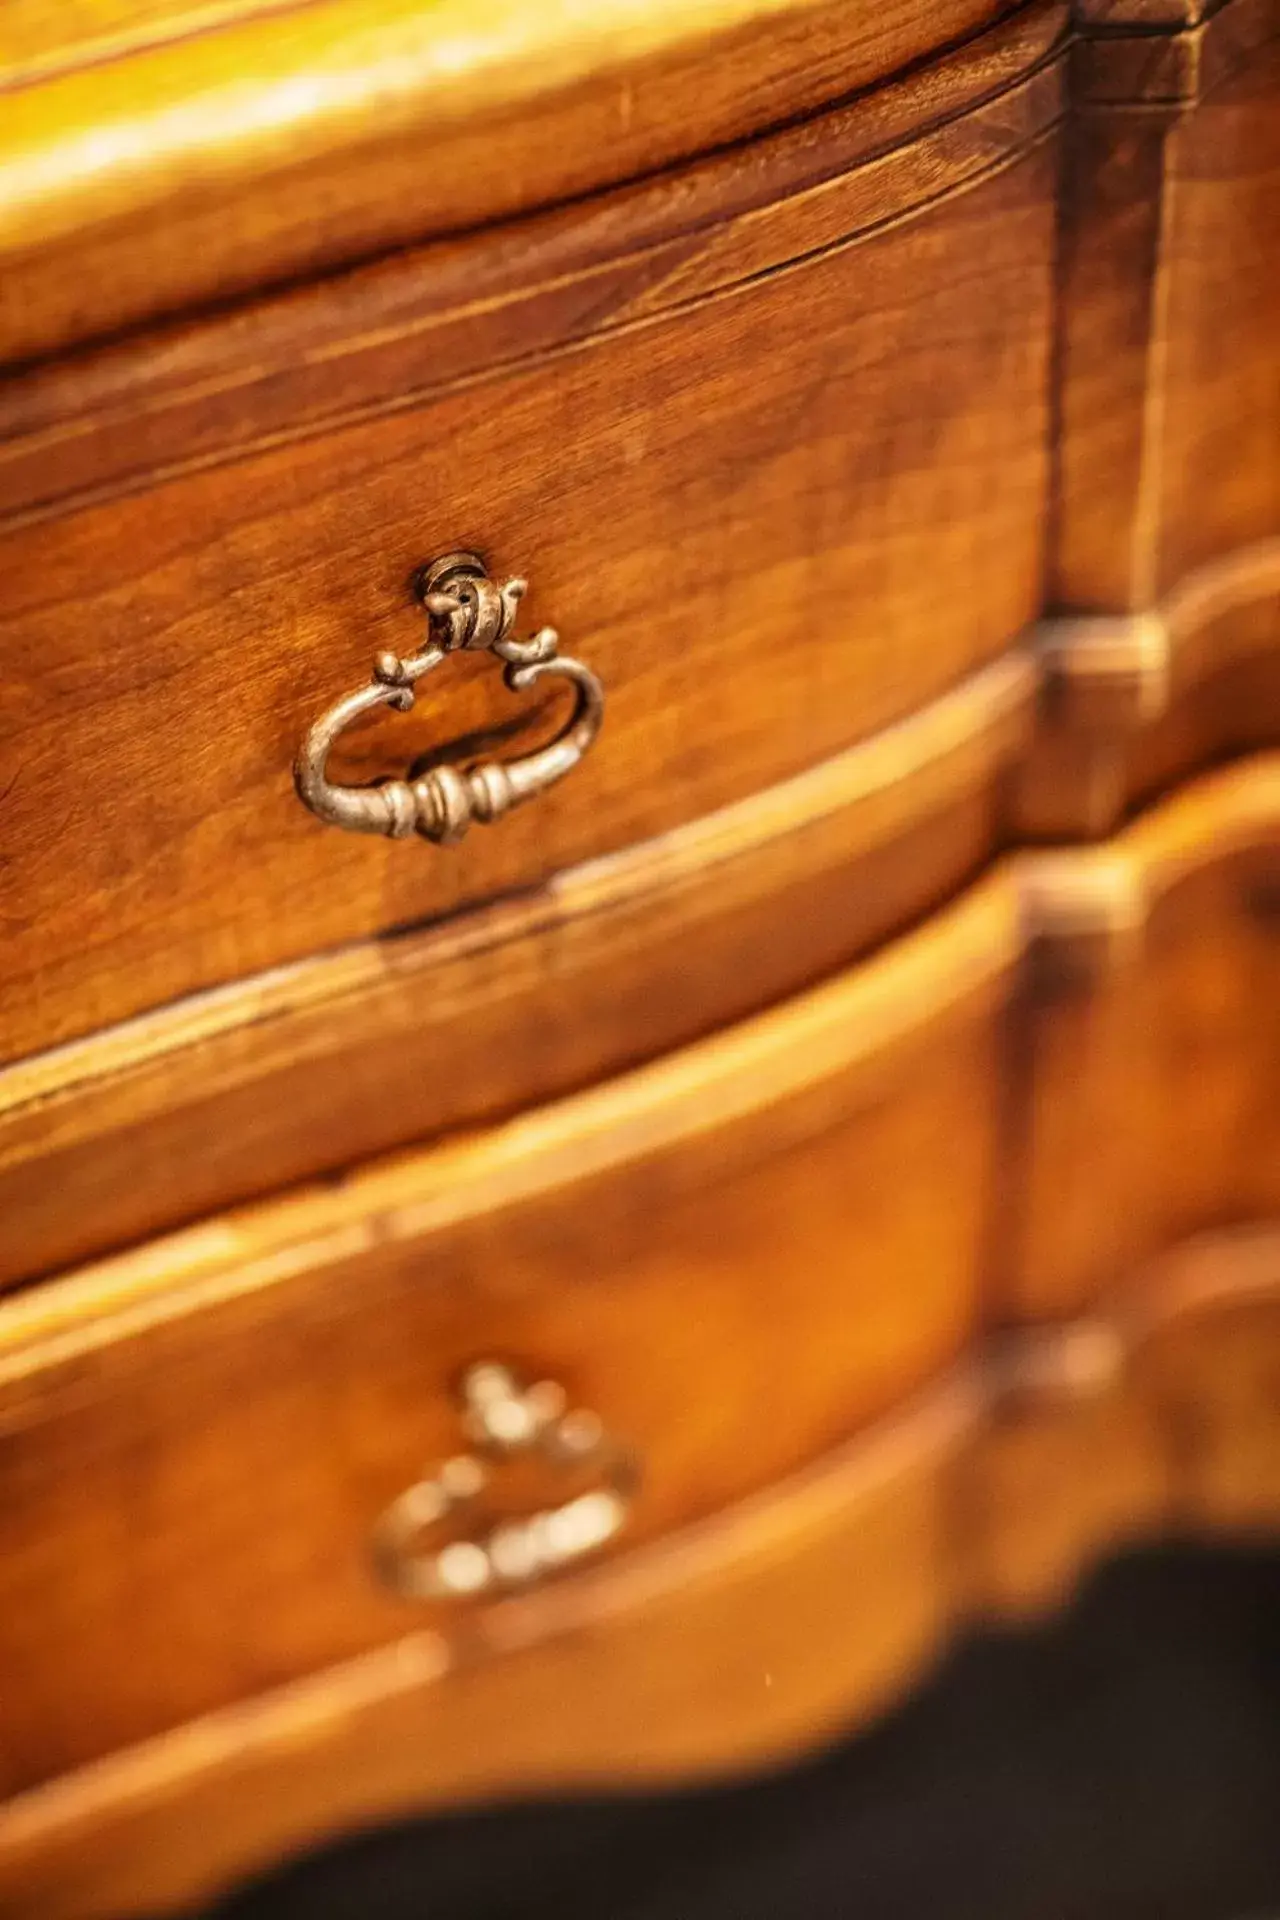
(1111, 683)
(390, 132)
(159, 1084)
(876, 1521)
(1038, 924)
(732, 1095)
(396, 334)
(1055, 723)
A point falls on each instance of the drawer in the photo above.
(234, 1094)
(768, 447)
(738, 1258)
(735, 1258)
(776, 1625)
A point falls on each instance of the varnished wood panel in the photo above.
(1149, 1037)
(396, 331)
(845, 530)
(303, 1071)
(736, 1256)
(1170, 395)
(1220, 474)
(750, 1636)
(1132, 702)
(321, 1064)
(751, 1250)
(992, 1119)
(282, 140)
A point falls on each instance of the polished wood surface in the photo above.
(400, 330)
(747, 1637)
(685, 1244)
(859, 1082)
(1170, 394)
(827, 565)
(658, 1243)
(229, 1095)
(1115, 721)
(242, 143)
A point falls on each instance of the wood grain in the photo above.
(916, 498)
(305, 1070)
(395, 331)
(283, 141)
(1149, 1040)
(721, 1649)
(1169, 391)
(1133, 702)
(841, 540)
(1072, 1068)
(655, 1243)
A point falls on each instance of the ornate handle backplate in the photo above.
(504, 1417)
(466, 610)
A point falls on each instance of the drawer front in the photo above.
(734, 1258)
(750, 1638)
(776, 482)
(319, 1066)
(233, 147)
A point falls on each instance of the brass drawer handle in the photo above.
(465, 610)
(504, 1417)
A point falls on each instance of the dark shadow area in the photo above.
(1119, 1763)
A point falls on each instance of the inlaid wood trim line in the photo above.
(925, 1489)
(1110, 888)
(304, 1728)
(275, 147)
(391, 335)
(1042, 742)
(1193, 608)
(1146, 1020)
(869, 789)
(39, 48)
(1119, 671)
(438, 1017)
(1069, 908)
(730, 1093)
(1101, 675)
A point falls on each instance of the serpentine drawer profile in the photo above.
(640, 859)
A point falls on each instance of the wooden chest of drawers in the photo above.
(838, 1109)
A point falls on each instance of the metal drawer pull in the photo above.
(466, 610)
(504, 1418)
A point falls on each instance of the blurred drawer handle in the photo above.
(503, 1418)
(466, 610)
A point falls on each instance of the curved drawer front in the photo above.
(233, 148)
(316, 1066)
(734, 1258)
(766, 440)
(756, 1634)
(237, 1093)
